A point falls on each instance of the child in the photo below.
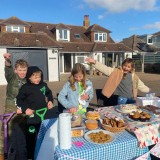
(15, 78)
(77, 92)
(122, 81)
(31, 98)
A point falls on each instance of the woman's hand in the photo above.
(29, 111)
(90, 60)
(50, 105)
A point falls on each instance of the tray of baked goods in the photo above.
(113, 124)
(141, 116)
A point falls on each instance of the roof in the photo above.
(94, 47)
(44, 35)
(27, 40)
(133, 42)
(14, 21)
(96, 27)
(137, 44)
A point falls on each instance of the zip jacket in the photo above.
(69, 98)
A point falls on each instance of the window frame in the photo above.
(15, 28)
(100, 37)
(63, 35)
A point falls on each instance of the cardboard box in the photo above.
(143, 101)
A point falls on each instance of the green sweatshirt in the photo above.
(13, 86)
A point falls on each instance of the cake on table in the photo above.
(127, 108)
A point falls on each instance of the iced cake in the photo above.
(127, 108)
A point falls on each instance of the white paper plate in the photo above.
(119, 110)
(98, 130)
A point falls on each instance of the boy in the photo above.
(15, 79)
(33, 96)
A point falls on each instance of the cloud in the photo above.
(118, 6)
(100, 16)
(81, 6)
(155, 25)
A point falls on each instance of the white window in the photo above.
(149, 40)
(15, 29)
(63, 34)
(100, 37)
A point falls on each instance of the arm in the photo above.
(49, 97)
(142, 87)
(20, 100)
(99, 66)
(49, 94)
(90, 93)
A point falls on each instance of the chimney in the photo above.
(86, 22)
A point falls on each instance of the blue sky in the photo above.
(122, 17)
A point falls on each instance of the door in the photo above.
(67, 62)
(34, 57)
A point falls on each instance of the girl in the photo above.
(122, 81)
(77, 92)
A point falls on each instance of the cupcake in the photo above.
(142, 118)
(136, 116)
(91, 124)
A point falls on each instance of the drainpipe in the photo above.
(142, 62)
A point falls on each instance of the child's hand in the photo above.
(73, 110)
(19, 111)
(90, 60)
(50, 105)
(7, 55)
(29, 111)
(84, 97)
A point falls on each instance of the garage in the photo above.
(34, 57)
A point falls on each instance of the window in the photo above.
(63, 34)
(149, 39)
(77, 36)
(15, 29)
(101, 37)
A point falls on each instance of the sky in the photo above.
(123, 18)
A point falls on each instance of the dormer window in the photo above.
(100, 37)
(15, 29)
(63, 34)
(77, 36)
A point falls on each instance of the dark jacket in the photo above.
(34, 96)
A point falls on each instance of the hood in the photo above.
(31, 70)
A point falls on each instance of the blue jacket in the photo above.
(69, 98)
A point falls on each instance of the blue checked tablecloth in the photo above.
(124, 147)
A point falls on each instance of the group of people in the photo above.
(32, 99)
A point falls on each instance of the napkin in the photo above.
(147, 133)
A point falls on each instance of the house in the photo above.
(146, 52)
(55, 48)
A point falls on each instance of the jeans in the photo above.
(124, 100)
